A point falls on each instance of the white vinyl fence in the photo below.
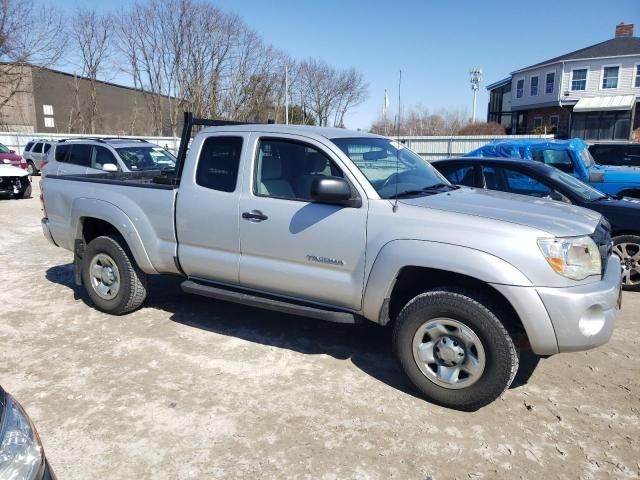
(434, 148)
(430, 148)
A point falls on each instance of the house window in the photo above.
(636, 82)
(47, 109)
(550, 84)
(554, 121)
(610, 77)
(520, 88)
(537, 122)
(579, 79)
(48, 122)
(533, 88)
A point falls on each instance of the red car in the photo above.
(15, 159)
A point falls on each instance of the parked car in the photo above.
(21, 454)
(570, 156)
(623, 154)
(14, 181)
(10, 155)
(98, 155)
(536, 179)
(35, 154)
(348, 226)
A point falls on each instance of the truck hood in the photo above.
(7, 170)
(617, 174)
(555, 218)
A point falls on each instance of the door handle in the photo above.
(254, 216)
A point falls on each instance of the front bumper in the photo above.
(44, 223)
(583, 317)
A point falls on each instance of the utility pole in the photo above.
(475, 75)
(286, 94)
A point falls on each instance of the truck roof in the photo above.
(309, 130)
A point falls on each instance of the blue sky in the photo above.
(435, 43)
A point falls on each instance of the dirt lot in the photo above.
(193, 388)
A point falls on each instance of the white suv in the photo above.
(35, 153)
(99, 155)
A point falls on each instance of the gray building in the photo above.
(590, 93)
(34, 99)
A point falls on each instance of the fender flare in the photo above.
(93, 208)
(398, 254)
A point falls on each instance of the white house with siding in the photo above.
(591, 93)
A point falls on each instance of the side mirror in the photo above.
(109, 167)
(333, 190)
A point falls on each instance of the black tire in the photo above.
(31, 168)
(476, 313)
(630, 266)
(132, 289)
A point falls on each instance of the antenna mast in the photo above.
(475, 79)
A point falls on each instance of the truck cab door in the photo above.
(292, 246)
(207, 219)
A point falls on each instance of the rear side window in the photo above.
(218, 163)
(460, 174)
(80, 155)
(61, 153)
(47, 147)
(28, 146)
(37, 148)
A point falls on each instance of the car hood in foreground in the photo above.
(555, 218)
(7, 170)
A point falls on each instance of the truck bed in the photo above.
(139, 204)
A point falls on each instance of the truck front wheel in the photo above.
(113, 280)
(455, 349)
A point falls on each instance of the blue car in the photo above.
(571, 156)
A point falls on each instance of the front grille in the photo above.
(602, 238)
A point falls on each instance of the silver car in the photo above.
(35, 153)
(96, 155)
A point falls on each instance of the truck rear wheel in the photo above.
(455, 349)
(111, 276)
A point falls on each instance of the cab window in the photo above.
(286, 169)
(218, 163)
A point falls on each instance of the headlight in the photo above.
(21, 453)
(573, 257)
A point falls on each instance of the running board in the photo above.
(268, 302)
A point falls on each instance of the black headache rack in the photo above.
(172, 177)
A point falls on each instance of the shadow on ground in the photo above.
(367, 346)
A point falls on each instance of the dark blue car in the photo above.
(570, 156)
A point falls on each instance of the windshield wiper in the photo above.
(430, 190)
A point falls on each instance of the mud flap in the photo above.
(78, 255)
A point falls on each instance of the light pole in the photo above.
(475, 79)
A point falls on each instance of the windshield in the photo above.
(579, 188)
(3, 149)
(391, 167)
(146, 158)
(587, 158)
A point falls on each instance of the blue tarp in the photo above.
(521, 147)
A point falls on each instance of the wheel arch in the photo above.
(97, 217)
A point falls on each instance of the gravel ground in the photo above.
(193, 388)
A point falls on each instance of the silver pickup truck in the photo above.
(347, 227)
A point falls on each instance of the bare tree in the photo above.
(331, 92)
(30, 35)
(420, 121)
(91, 38)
